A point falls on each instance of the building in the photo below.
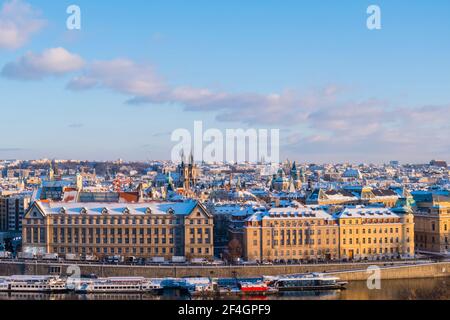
(438, 163)
(332, 197)
(309, 233)
(291, 234)
(432, 224)
(353, 195)
(369, 195)
(154, 229)
(367, 233)
(12, 210)
(229, 222)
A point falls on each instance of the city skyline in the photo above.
(118, 87)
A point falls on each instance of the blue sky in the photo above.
(342, 92)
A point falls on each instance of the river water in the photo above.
(406, 289)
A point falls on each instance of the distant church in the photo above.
(188, 172)
(288, 179)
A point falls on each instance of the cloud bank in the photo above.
(320, 120)
(51, 62)
(18, 22)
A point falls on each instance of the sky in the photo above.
(139, 69)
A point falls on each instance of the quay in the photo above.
(345, 271)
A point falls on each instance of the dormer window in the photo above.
(171, 211)
(126, 211)
(83, 210)
(105, 211)
(62, 210)
(148, 211)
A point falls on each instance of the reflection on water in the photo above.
(406, 289)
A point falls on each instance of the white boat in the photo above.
(152, 285)
(117, 285)
(4, 285)
(36, 284)
(200, 285)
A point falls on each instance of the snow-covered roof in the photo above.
(291, 213)
(98, 208)
(359, 212)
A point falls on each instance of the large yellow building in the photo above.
(375, 233)
(155, 229)
(291, 234)
(307, 233)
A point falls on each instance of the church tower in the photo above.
(188, 172)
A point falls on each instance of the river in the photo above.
(405, 289)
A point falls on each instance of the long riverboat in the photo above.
(310, 282)
(118, 285)
(32, 284)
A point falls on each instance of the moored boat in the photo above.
(35, 284)
(310, 282)
(113, 285)
(4, 285)
(250, 287)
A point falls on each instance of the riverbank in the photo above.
(405, 289)
(346, 271)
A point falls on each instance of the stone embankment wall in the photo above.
(347, 271)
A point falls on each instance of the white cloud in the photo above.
(18, 22)
(144, 86)
(120, 75)
(321, 120)
(51, 62)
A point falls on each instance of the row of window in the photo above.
(118, 231)
(369, 240)
(374, 230)
(36, 235)
(127, 250)
(294, 232)
(304, 253)
(112, 251)
(374, 251)
(115, 240)
(301, 223)
(295, 242)
(423, 238)
(366, 221)
(117, 221)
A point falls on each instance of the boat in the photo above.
(200, 286)
(171, 286)
(256, 288)
(118, 285)
(4, 285)
(253, 287)
(310, 282)
(34, 284)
